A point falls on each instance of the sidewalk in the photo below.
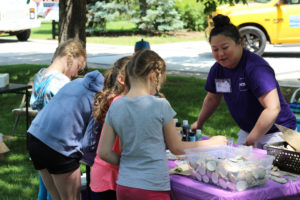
(183, 58)
(195, 59)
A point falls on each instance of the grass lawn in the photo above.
(18, 179)
(121, 33)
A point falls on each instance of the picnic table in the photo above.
(19, 89)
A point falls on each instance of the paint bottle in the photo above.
(178, 127)
(179, 134)
(192, 136)
(198, 134)
(185, 130)
(175, 121)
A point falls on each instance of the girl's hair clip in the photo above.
(161, 95)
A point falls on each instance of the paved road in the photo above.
(185, 58)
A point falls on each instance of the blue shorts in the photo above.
(43, 157)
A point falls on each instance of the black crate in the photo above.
(284, 159)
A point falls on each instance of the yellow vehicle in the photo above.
(261, 21)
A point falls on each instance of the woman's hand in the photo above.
(194, 126)
(270, 102)
(250, 143)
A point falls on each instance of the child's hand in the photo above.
(218, 140)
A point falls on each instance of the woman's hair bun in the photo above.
(221, 20)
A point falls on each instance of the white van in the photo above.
(48, 10)
(17, 17)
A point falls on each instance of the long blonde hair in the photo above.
(111, 89)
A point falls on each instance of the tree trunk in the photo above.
(143, 7)
(72, 20)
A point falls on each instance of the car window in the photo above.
(294, 2)
(48, 4)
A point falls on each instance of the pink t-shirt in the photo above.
(103, 174)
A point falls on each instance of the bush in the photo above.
(100, 13)
(192, 14)
(160, 16)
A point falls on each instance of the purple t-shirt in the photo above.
(241, 88)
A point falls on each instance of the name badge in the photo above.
(223, 85)
(242, 84)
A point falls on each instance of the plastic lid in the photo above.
(185, 122)
(198, 131)
(175, 120)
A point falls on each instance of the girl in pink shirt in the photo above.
(103, 174)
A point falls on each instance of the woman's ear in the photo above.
(239, 42)
(121, 79)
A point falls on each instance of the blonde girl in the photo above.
(68, 59)
(144, 124)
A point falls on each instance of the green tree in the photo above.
(160, 16)
(211, 5)
(72, 19)
(192, 14)
(100, 12)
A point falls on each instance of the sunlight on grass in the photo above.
(121, 26)
(17, 157)
(45, 32)
(130, 40)
(19, 179)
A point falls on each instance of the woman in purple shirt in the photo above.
(249, 87)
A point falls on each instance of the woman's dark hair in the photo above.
(223, 26)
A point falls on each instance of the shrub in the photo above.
(192, 14)
(160, 16)
(100, 13)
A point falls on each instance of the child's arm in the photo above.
(177, 147)
(107, 140)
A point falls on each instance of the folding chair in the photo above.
(21, 111)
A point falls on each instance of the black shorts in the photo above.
(43, 157)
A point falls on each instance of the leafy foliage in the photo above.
(160, 16)
(211, 5)
(192, 14)
(100, 12)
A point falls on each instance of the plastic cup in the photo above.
(230, 141)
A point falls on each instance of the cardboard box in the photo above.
(4, 79)
(292, 137)
(3, 148)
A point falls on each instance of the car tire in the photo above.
(253, 39)
(24, 35)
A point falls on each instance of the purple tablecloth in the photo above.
(186, 188)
